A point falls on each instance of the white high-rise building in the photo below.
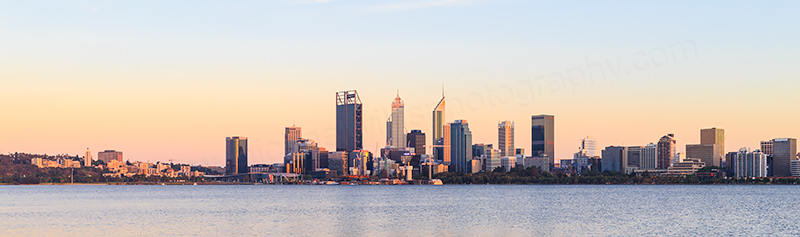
(87, 160)
(589, 144)
(505, 138)
(395, 126)
(649, 157)
(750, 164)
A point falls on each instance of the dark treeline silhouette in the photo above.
(534, 175)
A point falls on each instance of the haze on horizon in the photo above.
(164, 80)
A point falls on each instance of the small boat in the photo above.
(435, 182)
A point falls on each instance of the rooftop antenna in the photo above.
(442, 90)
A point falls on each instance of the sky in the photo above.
(169, 80)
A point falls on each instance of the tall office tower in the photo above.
(460, 146)
(766, 147)
(649, 157)
(707, 153)
(634, 156)
(505, 137)
(714, 136)
(290, 138)
(438, 133)
(349, 120)
(446, 142)
(108, 155)
(615, 158)
(666, 151)
(236, 155)
(589, 144)
(784, 150)
(395, 126)
(416, 139)
(543, 137)
(87, 159)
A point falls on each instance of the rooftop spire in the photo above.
(442, 90)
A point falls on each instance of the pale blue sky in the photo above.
(151, 66)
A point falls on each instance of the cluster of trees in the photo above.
(535, 175)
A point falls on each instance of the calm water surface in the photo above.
(450, 210)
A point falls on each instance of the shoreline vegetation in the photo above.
(535, 175)
(21, 172)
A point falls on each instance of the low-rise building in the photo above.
(508, 162)
(686, 167)
(796, 168)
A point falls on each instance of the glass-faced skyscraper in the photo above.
(236, 155)
(543, 137)
(438, 132)
(784, 150)
(460, 146)
(395, 126)
(349, 121)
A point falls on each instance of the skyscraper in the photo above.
(460, 146)
(543, 137)
(349, 121)
(87, 159)
(446, 142)
(589, 144)
(505, 137)
(784, 150)
(666, 150)
(236, 155)
(395, 126)
(438, 133)
(416, 139)
(714, 136)
(290, 137)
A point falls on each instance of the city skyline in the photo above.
(97, 75)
